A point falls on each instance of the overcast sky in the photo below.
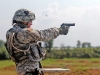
(84, 13)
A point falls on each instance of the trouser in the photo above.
(41, 67)
(35, 72)
(32, 73)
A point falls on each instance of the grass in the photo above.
(48, 62)
(6, 63)
(77, 65)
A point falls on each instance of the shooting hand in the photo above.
(63, 30)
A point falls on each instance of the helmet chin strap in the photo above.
(22, 25)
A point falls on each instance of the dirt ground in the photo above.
(83, 68)
(11, 71)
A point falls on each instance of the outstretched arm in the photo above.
(29, 35)
(45, 35)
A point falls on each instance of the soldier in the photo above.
(22, 43)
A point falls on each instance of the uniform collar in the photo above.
(21, 25)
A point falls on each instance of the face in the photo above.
(29, 24)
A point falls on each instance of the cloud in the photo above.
(86, 19)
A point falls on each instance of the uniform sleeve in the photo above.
(36, 35)
(48, 34)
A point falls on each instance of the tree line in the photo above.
(82, 50)
(3, 52)
(74, 53)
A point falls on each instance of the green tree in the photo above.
(86, 45)
(78, 44)
(48, 45)
(89, 44)
(3, 54)
(1, 43)
(83, 45)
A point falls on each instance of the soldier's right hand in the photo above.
(63, 30)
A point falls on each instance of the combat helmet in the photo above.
(23, 15)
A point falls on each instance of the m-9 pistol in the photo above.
(68, 24)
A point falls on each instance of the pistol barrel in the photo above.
(68, 24)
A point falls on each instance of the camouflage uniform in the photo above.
(22, 44)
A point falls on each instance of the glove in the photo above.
(63, 30)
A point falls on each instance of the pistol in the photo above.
(68, 24)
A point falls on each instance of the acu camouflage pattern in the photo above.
(23, 15)
(28, 60)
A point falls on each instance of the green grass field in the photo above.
(76, 66)
(6, 63)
